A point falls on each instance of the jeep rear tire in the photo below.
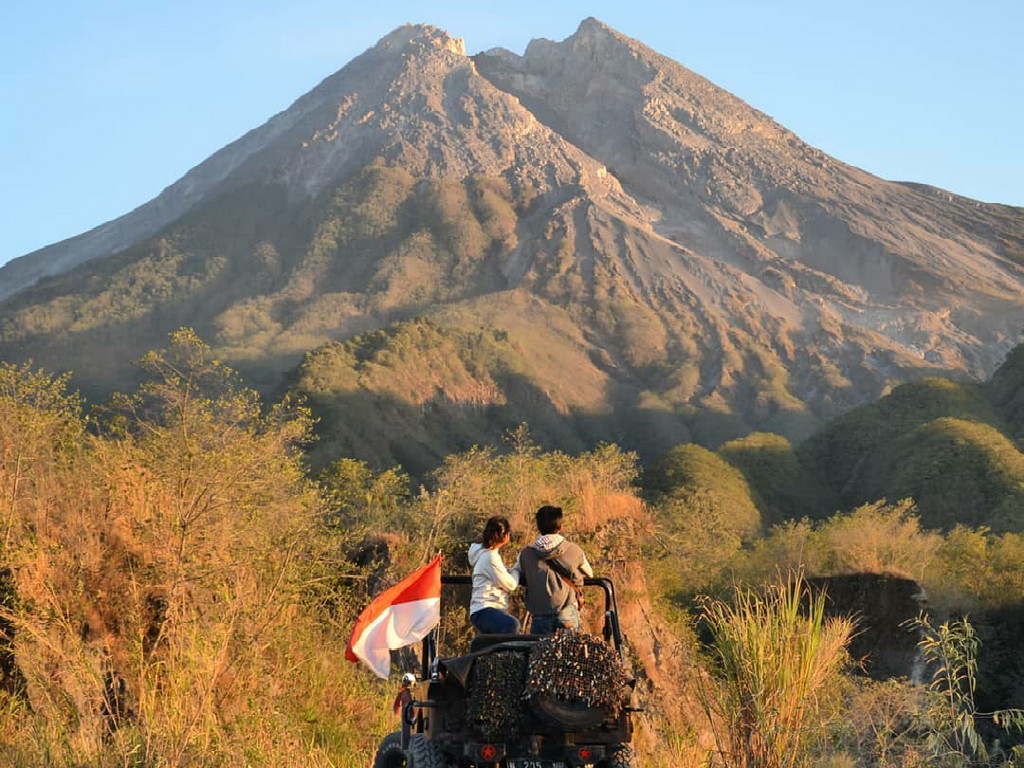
(390, 753)
(425, 754)
(568, 715)
(621, 757)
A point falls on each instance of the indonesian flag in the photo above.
(399, 616)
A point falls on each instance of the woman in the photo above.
(492, 581)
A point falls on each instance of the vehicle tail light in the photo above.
(490, 752)
(586, 755)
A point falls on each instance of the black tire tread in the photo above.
(390, 753)
(620, 757)
(572, 717)
(425, 754)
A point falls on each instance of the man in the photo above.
(552, 570)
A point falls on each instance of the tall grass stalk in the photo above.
(775, 656)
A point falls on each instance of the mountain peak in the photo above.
(591, 35)
(595, 34)
(591, 27)
(419, 36)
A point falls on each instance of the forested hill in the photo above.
(953, 448)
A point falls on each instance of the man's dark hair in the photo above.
(494, 530)
(549, 519)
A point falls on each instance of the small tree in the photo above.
(358, 496)
(951, 651)
(40, 422)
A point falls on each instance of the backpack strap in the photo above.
(559, 567)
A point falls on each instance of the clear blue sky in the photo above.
(105, 103)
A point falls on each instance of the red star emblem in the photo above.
(488, 752)
(584, 754)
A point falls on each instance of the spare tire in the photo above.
(575, 681)
(568, 715)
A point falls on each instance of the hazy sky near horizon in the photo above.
(107, 102)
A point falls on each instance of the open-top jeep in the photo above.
(520, 701)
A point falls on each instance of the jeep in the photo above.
(479, 710)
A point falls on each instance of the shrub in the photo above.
(950, 651)
(775, 656)
(876, 538)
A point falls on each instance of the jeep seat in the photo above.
(486, 641)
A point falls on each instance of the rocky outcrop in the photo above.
(884, 645)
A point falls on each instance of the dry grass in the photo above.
(167, 598)
(175, 600)
(776, 655)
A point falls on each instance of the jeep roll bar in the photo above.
(612, 631)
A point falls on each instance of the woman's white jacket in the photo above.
(492, 581)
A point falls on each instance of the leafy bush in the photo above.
(359, 497)
(875, 538)
(951, 652)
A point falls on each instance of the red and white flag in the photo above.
(399, 616)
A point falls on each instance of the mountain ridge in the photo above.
(179, 197)
(710, 261)
(773, 200)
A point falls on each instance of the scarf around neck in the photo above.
(547, 542)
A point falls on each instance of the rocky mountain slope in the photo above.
(923, 268)
(593, 239)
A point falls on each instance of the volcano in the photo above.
(434, 247)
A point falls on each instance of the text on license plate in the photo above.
(529, 762)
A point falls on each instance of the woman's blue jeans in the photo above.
(491, 621)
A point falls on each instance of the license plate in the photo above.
(531, 762)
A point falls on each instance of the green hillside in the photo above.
(692, 480)
(265, 281)
(1006, 389)
(467, 373)
(947, 445)
(845, 452)
(785, 486)
(411, 393)
(959, 472)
